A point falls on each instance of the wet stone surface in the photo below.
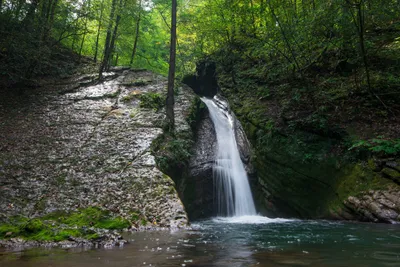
(80, 144)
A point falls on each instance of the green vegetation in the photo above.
(355, 179)
(138, 82)
(379, 146)
(172, 152)
(148, 100)
(152, 100)
(60, 226)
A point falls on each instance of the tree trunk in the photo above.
(48, 19)
(107, 48)
(137, 33)
(362, 43)
(253, 19)
(171, 73)
(30, 15)
(284, 36)
(114, 35)
(85, 27)
(98, 31)
(116, 59)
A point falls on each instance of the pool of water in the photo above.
(245, 241)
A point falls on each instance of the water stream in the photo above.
(233, 194)
(222, 243)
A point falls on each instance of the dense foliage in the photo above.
(283, 36)
(334, 50)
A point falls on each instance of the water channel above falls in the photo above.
(220, 242)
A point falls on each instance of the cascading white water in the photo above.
(233, 192)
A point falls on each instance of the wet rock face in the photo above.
(199, 184)
(81, 144)
(199, 190)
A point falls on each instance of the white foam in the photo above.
(250, 219)
(233, 195)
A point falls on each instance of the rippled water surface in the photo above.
(246, 241)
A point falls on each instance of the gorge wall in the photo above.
(76, 144)
(305, 171)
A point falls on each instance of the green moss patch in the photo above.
(172, 150)
(138, 82)
(152, 100)
(58, 226)
(355, 179)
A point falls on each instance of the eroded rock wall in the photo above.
(78, 143)
(309, 174)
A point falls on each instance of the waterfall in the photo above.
(233, 194)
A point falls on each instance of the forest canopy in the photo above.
(282, 37)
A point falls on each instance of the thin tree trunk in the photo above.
(30, 15)
(107, 48)
(170, 101)
(137, 33)
(53, 10)
(360, 29)
(48, 23)
(85, 27)
(114, 35)
(284, 36)
(253, 18)
(364, 52)
(362, 42)
(98, 31)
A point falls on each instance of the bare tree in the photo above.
(107, 47)
(171, 73)
(137, 32)
(98, 30)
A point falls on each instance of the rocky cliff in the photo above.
(77, 144)
(307, 170)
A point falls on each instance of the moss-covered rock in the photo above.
(59, 226)
(305, 167)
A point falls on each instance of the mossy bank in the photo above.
(309, 163)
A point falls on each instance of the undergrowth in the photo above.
(379, 146)
(60, 225)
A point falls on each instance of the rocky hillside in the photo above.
(77, 153)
